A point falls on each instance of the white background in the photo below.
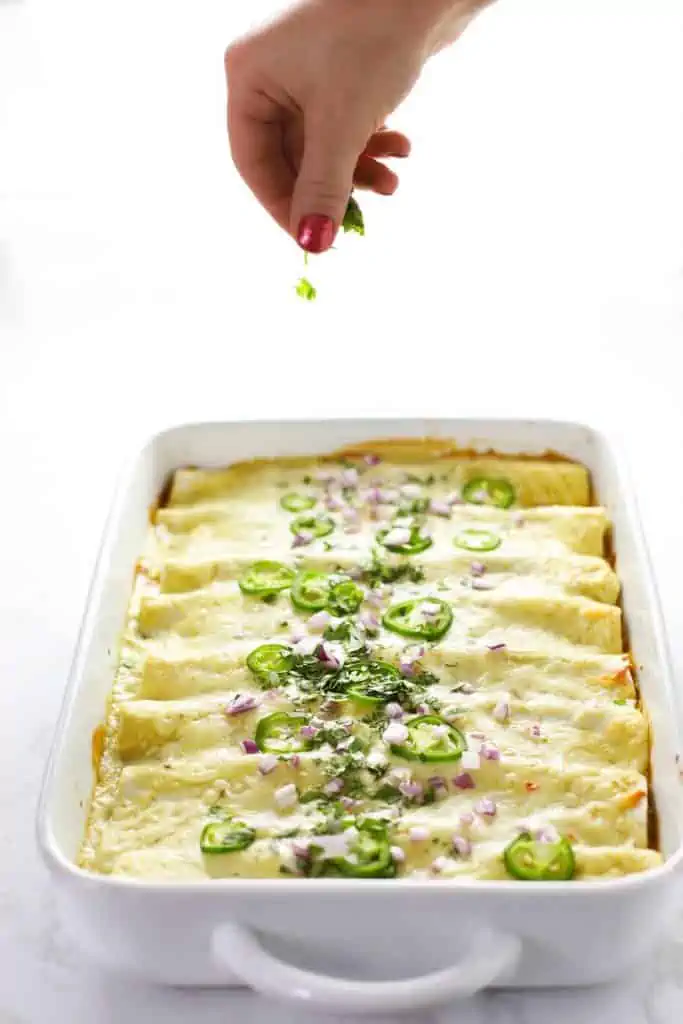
(531, 265)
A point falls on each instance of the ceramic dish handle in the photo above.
(490, 956)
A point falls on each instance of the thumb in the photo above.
(325, 180)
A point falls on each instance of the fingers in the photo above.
(256, 131)
(388, 143)
(325, 180)
(373, 175)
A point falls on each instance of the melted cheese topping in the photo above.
(531, 673)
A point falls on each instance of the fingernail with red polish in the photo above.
(316, 232)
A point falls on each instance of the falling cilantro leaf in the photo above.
(353, 218)
(352, 221)
(306, 290)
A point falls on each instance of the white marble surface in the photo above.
(539, 229)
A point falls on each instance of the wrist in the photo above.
(439, 22)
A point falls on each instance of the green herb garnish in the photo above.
(352, 221)
(353, 218)
(305, 289)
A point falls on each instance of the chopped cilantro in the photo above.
(353, 218)
(305, 289)
(379, 572)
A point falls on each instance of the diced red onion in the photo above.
(397, 537)
(308, 732)
(348, 803)
(334, 786)
(320, 620)
(437, 782)
(393, 710)
(535, 730)
(371, 459)
(411, 789)
(407, 667)
(469, 760)
(333, 502)
(439, 508)
(349, 477)
(489, 752)
(462, 846)
(286, 796)
(431, 608)
(518, 518)
(295, 760)
(477, 568)
(300, 848)
(496, 647)
(419, 834)
(381, 512)
(267, 764)
(307, 645)
(423, 709)
(464, 781)
(454, 498)
(467, 819)
(249, 747)
(486, 807)
(240, 703)
(477, 735)
(501, 712)
(395, 732)
(369, 622)
(440, 864)
(336, 844)
(547, 834)
(331, 654)
(397, 855)
(302, 538)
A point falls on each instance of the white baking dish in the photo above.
(386, 945)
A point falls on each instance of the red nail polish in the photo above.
(316, 232)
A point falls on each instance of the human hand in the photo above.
(308, 97)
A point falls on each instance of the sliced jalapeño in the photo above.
(264, 579)
(227, 836)
(294, 502)
(472, 539)
(413, 545)
(270, 658)
(369, 853)
(280, 733)
(430, 738)
(310, 591)
(424, 618)
(486, 490)
(532, 860)
(345, 598)
(371, 682)
(318, 526)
